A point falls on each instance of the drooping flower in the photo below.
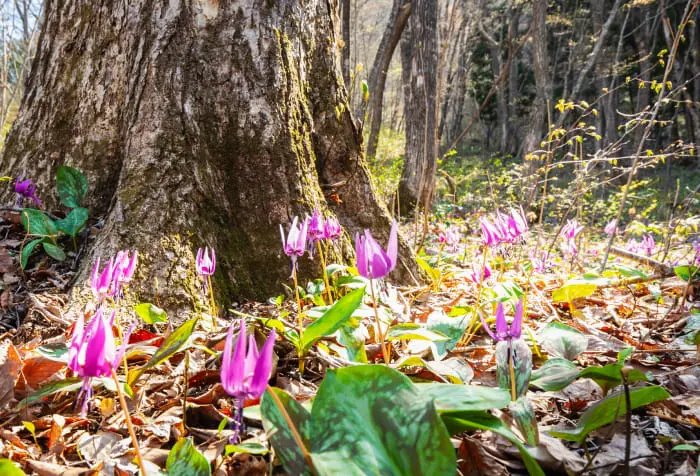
(316, 223)
(244, 371)
(93, 351)
(611, 228)
(295, 243)
(122, 271)
(206, 265)
(479, 273)
(450, 237)
(26, 189)
(569, 232)
(372, 261)
(490, 234)
(503, 330)
(518, 222)
(331, 229)
(648, 245)
(101, 282)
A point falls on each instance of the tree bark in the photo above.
(197, 123)
(419, 57)
(345, 58)
(400, 12)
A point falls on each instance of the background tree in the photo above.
(197, 124)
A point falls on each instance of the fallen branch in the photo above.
(665, 269)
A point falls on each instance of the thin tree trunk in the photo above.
(398, 19)
(194, 126)
(419, 61)
(345, 58)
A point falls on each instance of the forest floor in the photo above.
(578, 324)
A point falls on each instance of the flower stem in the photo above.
(511, 358)
(129, 426)
(300, 319)
(212, 303)
(467, 337)
(380, 333)
(325, 274)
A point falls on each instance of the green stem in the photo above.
(300, 319)
(325, 274)
(511, 358)
(212, 303)
(129, 426)
(380, 333)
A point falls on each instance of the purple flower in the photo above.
(25, 189)
(206, 265)
(696, 245)
(93, 351)
(503, 331)
(479, 274)
(295, 244)
(518, 222)
(569, 232)
(372, 261)
(122, 271)
(316, 226)
(101, 282)
(648, 245)
(331, 229)
(611, 227)
(490, 234)
(450, 237)
(244, 374)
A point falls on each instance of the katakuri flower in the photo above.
(244, 371)
(122, 272)
(490, 234)
(611, 228)
(372, 261)
(316, 229)
(503, 330)
(102, 282)
(331, 229)
(93, 352)
(206, 265)
(479, 274)
(450, 237)
(25, 189)
(295, 243)
(648, 245)
(569, 232)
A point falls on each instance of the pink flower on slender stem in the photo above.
(569, 232)
(122, 272)
(93, 352)
(331, 229)
(611, 228)
(206, 265)
(244, 371)
(316, 226)
(503, 330)
(479, 273)
(26, 189)
(295, 243)
(372, 261)
(101, 282)
(648, 245)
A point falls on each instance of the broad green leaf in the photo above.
(354, 343)
(170, 346)
(456, 370)
(522, 365)
(27, 251)
(66, 385)
(185, 459)
(459, 422)
(150, 313)
(333, 268)
(370, 419)
(685, 272)
(57, 352)
(452, 327)
(554, 375)
(629, 272)
(30, 427)
(37, 223)
(281, 437)
(425, 266)
(685, 447)
(608, 409)
(624, 354)
(410, 331)
(72, 186)
(573, 289)
(54, 251)
(608, 377)
(9, 468)
(74, 222)
(333, 318)
(562, 341)
(508, 290)
(251, 448)
(449, 398)
(525, 419)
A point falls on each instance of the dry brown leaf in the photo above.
(10, 365)
(36, 372)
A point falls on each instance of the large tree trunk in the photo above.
(197, 123)
(419, 58)
(398, 18)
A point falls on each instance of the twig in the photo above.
(646, 260)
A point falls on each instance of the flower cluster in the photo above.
(479, 273)
(504, 228)
(26, 189)
(314, 228)
(93, 350)
(450, 237)
(646, 246)
(118, 271)
(611, 228)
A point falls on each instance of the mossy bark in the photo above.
(197, 123)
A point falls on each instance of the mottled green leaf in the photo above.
(608, 409)
(573, 289)
(185, 459)
(685, 272)
(66, 385)
(410, 331)
(72, 186)
(554, 375)
(524, 416)
(333, 318)
(27, 251)
(449, 398)
(37, 223)
(74, 222)
(522, 365)
(54, 251)
(150, 313)
(563, 341)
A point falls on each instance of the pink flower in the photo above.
(372, 261)
(331, 229)
(244, 374)
(611, 227)
(101, 282)
(316, 226)
(479, 274)
(93, 351)
(206, 265)
(503, 331)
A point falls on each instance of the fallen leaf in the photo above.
(10, 365)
